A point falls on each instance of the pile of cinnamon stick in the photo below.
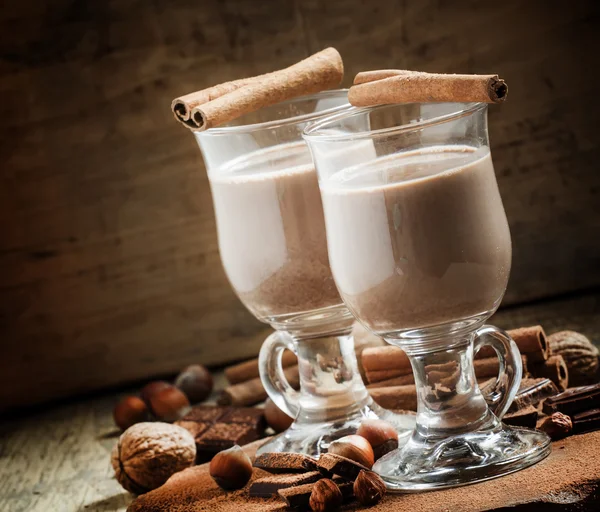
(389, 376)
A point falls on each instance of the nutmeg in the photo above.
(196, 382)
(276, 418)
(129, 411)
(325, 496)
(231, 469)
(557, 426)
(369, 488)
(355, 448)
(382, 436)
(169, 404)
(147, 454)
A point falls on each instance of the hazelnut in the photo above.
(129, 411)
(557, 426)
(169, 404)
(231, 469)
(325, 495)
(150, 389)
(276, 418)
(147, 454)
(369, 488)
(382, 436)
(196, 382)
(355, 448)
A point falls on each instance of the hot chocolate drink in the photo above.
(418, 239)
(272, 232)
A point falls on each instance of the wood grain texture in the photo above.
(109, 269)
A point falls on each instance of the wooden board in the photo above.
(109, 269)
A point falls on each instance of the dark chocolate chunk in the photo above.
(574, 400)
(297, 498)
(526, 417)
(221, 436)
(532, 392)
(586, 421)
(346, 487)
(207, 414)
(268, 486)
(196, 428)
(340, 466)
(285, 463)
(248, 415)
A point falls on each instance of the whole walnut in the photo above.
(580, 355)
(147, 454)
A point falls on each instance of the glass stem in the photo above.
(330, 383)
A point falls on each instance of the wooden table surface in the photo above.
(58, 458)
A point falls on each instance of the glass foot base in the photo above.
(462, 459)
(313, 437)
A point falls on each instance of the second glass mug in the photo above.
(420, 251)
(273, 247)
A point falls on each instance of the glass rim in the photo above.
(312, 132)
(278, 123)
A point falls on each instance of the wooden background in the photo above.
(109, 269)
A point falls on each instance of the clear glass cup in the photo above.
(420, 251)
(273, 247)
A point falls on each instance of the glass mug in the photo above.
(420, 251)
(273, 247)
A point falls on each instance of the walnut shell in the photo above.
(580, 355)
(147, 454)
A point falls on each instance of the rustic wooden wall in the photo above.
(109, 270)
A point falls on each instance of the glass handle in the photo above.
(271, 372)
(500, 395)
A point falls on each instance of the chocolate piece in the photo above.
(586, 421)
(221, 436)
(248, 415)
(574, 400)
(266, 487)
(340, 466)
(218, 428)
(532, 392)
(526, 417)
(347, 488)
(285, 463)
(297, 498)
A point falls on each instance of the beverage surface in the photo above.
(272, 232)
(418, 239)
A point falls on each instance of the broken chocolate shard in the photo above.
(526, 417)
(346, 487)
(574, 400)
(285, 463)
(532, 392)
(340, 466)
(221, 436)
(270, 485)
(586, 421)
(297, 498)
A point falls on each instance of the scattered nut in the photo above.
(231, 469)
(325, 496)
(580, 355)
(276, 418)
(150, 389)
(355, 448)
(147, 454)
(129, 411)
(369, 488)
(557, 426)
(196, 382)
(169, 404)
(382, 436)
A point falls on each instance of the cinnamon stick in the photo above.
(225, 102)
(554, 369)
(379, 74)
(252, 391)
(247, 370)
(532, 342)
(386, 358)
(396, 397)
(416, 87)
